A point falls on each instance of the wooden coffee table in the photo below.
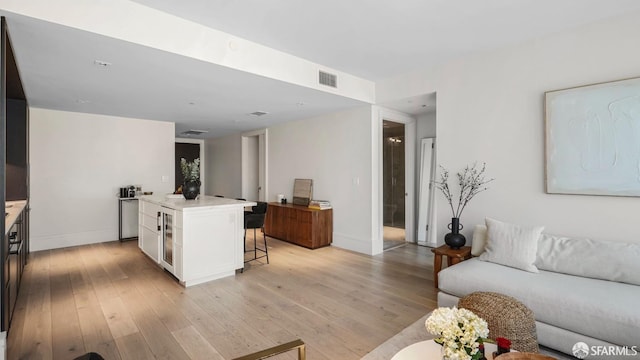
(454, 256)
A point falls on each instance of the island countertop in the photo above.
(182, 204)
(13, 210)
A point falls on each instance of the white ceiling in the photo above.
(58, 72)
(378, 39)
(373, 39)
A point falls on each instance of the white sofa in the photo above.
(584, 291)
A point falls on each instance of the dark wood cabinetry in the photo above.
(17, 151)
(15, 246)
(300, 225)
(14, 178)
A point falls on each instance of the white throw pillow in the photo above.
(511, 245)
(479, 240)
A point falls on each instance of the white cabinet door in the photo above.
(149, 243)
(177, 267)
(177, 246)
(148, 229)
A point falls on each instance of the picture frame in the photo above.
(302, 191)
(592, 139)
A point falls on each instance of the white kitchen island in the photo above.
(196, 240)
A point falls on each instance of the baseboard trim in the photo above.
(38, 243)
(351, 243)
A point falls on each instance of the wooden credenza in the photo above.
(300, 225)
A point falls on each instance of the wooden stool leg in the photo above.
(437, 266)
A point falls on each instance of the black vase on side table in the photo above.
(191, 189)
(454, 239)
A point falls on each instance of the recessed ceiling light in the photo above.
(82, 101)
(259, 113)
(300, 103)
(101, 63)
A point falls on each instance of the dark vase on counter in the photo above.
(454, 239)
(191, 189)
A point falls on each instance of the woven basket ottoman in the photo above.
(506, 317)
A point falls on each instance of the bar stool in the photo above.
(255, 220)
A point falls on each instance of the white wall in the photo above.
(79, 162)
(426, 126)
(335, 151)
(224, 166)
(490, 109)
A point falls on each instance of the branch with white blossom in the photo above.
(471, 181)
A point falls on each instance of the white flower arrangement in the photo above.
(459, 331)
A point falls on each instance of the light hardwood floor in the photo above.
(111, 299)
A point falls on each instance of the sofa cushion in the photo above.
(606, 260)
(479, 240)
(601, 309)
(511, 245)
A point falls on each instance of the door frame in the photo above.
(263, 154)
(409, 171)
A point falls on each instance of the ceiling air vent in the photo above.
(193, 132)
(328, 79)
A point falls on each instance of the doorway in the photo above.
(254, 165)
(393, 186)
(188, 151)
(251, 170)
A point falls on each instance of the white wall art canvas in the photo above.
(593, 139)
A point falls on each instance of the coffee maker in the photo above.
(128, 192)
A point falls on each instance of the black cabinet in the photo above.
(15, 245)
(14, 176)
(16, 147)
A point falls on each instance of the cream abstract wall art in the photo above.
(593, 139)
